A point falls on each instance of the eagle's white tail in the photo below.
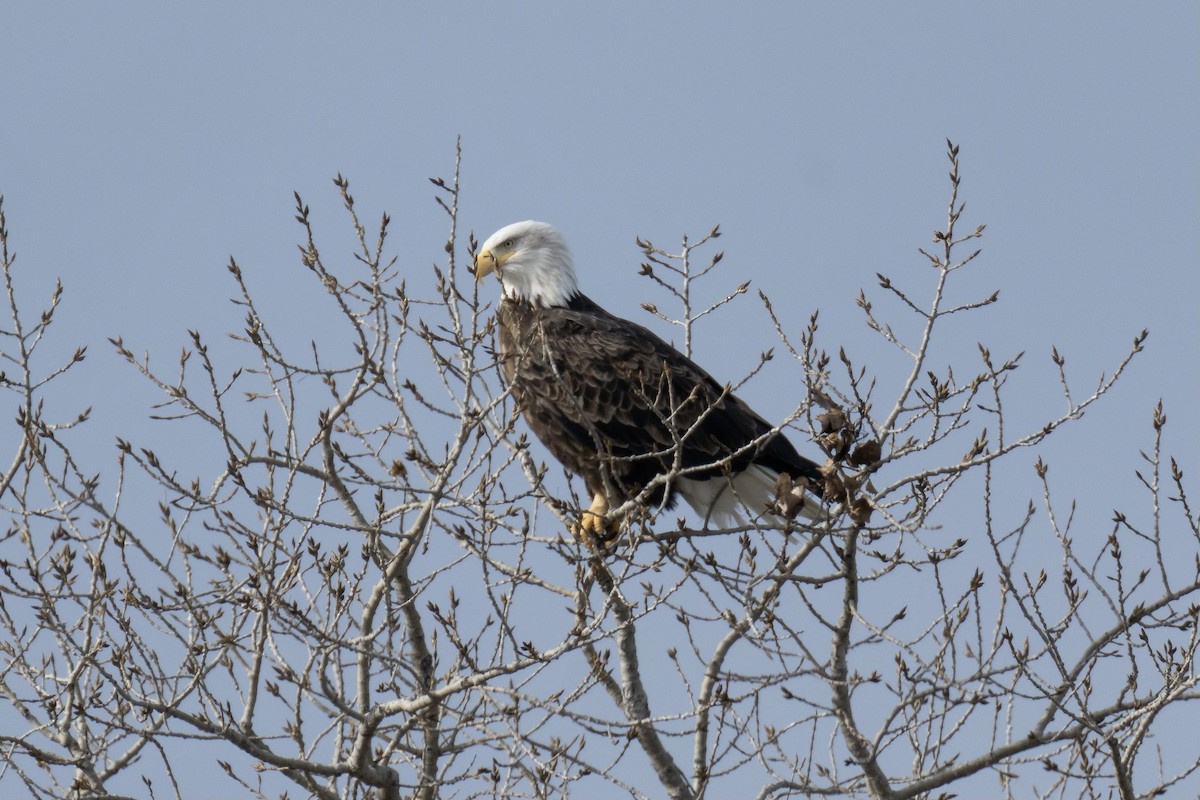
(742, 499)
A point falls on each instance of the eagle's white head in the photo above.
(532, 261)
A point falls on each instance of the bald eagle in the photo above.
(624, 410)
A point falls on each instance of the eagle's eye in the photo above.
(508, 243)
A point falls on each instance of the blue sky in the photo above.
(143, 144)
(147, 143)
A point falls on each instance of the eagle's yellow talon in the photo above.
(594, 529)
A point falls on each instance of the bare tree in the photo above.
(371, 590)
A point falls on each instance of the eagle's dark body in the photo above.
(620, 407)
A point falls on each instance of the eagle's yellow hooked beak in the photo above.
(485, 264)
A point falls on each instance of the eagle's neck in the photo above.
(540, 296)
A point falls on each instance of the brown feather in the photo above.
(619, 406)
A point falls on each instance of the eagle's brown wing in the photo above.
(618, 405)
